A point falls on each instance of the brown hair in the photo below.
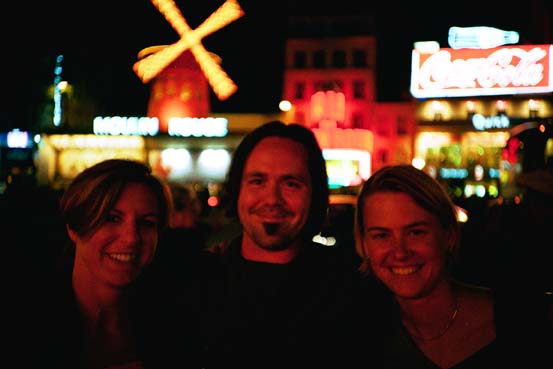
(316, 165)
(93, 193)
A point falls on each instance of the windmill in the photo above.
(179, 70)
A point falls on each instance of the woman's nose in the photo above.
(401, 248)
(130, 232)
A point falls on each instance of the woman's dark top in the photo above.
(164, 336)
(523, 341)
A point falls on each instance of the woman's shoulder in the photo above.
(477, 303)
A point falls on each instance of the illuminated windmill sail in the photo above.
(149, 67)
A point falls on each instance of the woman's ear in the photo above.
(72, 234)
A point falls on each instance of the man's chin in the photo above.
(275, 246)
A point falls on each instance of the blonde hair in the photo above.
(417, 184)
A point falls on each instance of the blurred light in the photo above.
(471, 107)
(17, 139)
(478, 172)
(328, 106)
(427, 47)
(462, 214)
(77, 141)
(418, 162)
(285, 105)
(56, 119)
(62, 86)
(347, 167)
(212, 201)
(493, 191)
(198, 127)
(325, 241)
(179, 161)
(494, 172)
(534, 105)
(142, 126)
(480, 191)
(214, 163)
(432, 171)
(149, 67)
(480, 37)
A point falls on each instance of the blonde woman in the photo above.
(407, 233)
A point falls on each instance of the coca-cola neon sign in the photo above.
(509, 70)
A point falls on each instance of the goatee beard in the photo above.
(271, 228)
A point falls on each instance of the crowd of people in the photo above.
(133, 284)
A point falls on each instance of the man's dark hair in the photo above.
(316, 165)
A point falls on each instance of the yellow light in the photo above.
(149, 67)
(62, 86)
(462, 214)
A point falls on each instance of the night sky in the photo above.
(100, 40)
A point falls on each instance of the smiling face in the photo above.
(406, 244)
(275, 194)
(116, 253)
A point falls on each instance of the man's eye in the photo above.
(293, 184)
(255, 181)
(417, 232)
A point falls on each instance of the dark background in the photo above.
(100, 41)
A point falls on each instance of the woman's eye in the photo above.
(150, 223)
(113, 218)
(379, 236)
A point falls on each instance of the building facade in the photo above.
(330, 80)
(484, 116)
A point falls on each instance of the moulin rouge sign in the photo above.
(508, 70)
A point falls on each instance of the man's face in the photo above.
(275, 193)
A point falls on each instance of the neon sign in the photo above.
(480, 37)
(197, 127)
(149, 67)
(149, 126)
(509, 70)
(143, 126)
(482, 123)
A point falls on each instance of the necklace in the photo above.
(447, 326)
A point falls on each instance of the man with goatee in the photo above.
(282, 300)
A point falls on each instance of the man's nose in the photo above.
(273, 192)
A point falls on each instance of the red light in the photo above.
(213, 201)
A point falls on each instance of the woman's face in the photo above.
(406, 244)
(124, 244)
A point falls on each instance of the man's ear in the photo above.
(453, 238)
(72, 234)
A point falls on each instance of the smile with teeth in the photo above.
(405, 270)
(122, 257)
